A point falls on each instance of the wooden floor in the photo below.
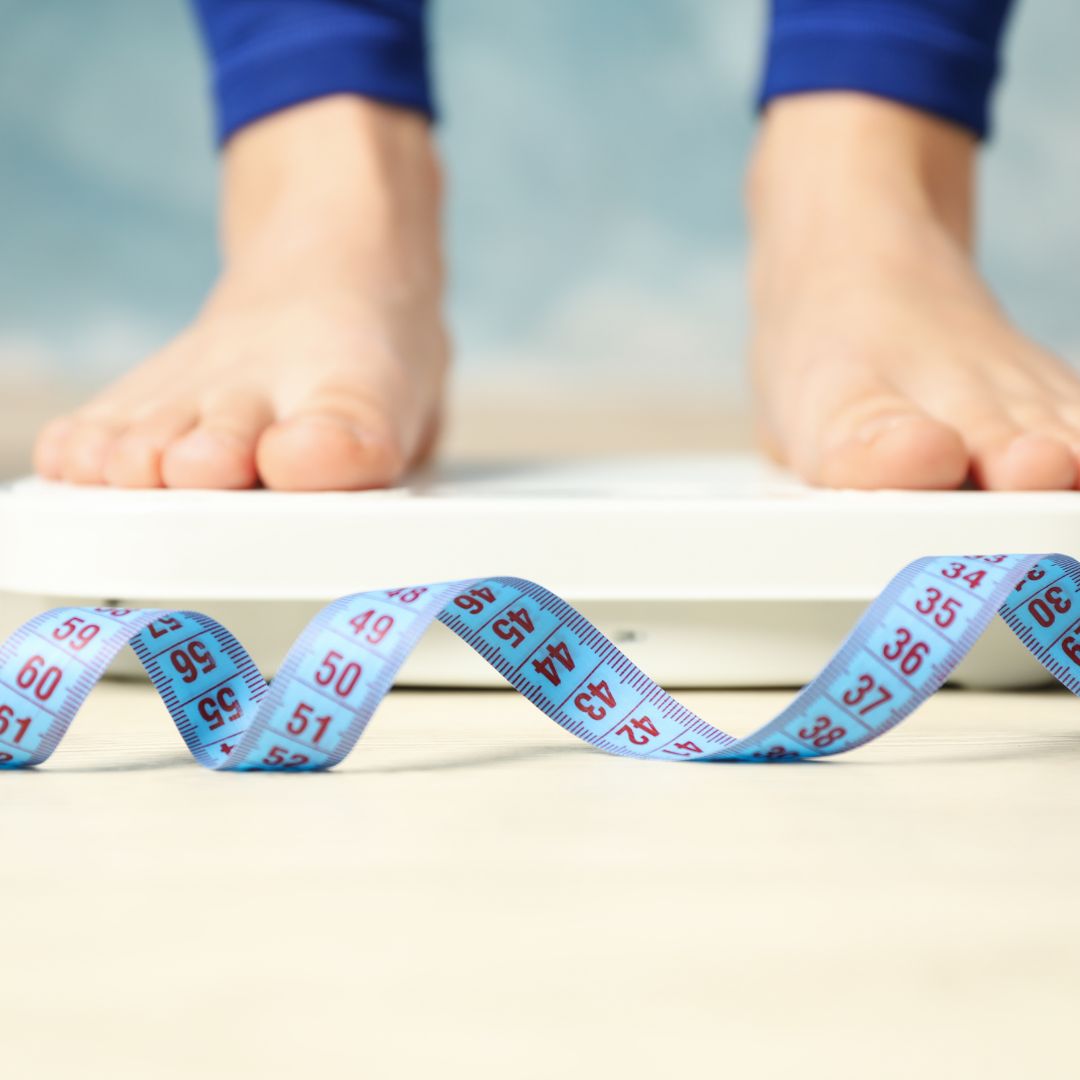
(475, 894)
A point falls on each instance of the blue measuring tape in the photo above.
(903, 648)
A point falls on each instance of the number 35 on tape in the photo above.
(333, 678)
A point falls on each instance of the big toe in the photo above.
(898, 447)
(327, 452)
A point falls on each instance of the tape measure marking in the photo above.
(331, 681)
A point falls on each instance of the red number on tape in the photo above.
(76, 632)
(407, 596)
(639, 731)
(1070, 646)
(910, 658)
(857, 695)
(776, 753)
(956, 571)
(1046, 610)
(684, 749)
(7, 718)
(165, 625)
(37, 678)
(474, 600)
(547, 668)
(278, 755)
(945, 615)
(378, 629)
(1034, 574)
(342, 681)
(599, 690)
(514, 627)
(823, 733)
(215, 709)
(302, 716)
(192, 660)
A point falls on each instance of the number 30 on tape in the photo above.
(343, 663)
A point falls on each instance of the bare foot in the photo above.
(880, 359)
(318, 360)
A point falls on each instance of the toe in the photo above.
(86, 447)
(870, 436)
(134, 459)
(50, 446)
(1058, 421)
(219, 452)
(327, 452)
(902, 449)
(1025, 461)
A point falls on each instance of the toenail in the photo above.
(873, 429)
(336, 423)
(213, 439)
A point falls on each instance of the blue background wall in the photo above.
(595, 152)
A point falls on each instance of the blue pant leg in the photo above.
(941, 56)
(269, 54)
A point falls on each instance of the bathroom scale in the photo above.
(708, 571)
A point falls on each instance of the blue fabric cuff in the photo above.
(385, 61)
(940, 77)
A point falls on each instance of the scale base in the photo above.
(710, 570)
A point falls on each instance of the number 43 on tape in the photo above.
(344, 662)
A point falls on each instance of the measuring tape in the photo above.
(332, 680)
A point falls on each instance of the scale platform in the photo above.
(714, 571)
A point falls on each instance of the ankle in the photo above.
(338, 172)
(830, 157)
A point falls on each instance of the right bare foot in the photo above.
(880, 358)
(319, 359)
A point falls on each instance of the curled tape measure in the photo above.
(332, 680)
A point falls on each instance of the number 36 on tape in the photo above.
(343, 663)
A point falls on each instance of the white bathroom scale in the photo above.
(714, 571)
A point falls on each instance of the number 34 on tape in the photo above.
(333, 678)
